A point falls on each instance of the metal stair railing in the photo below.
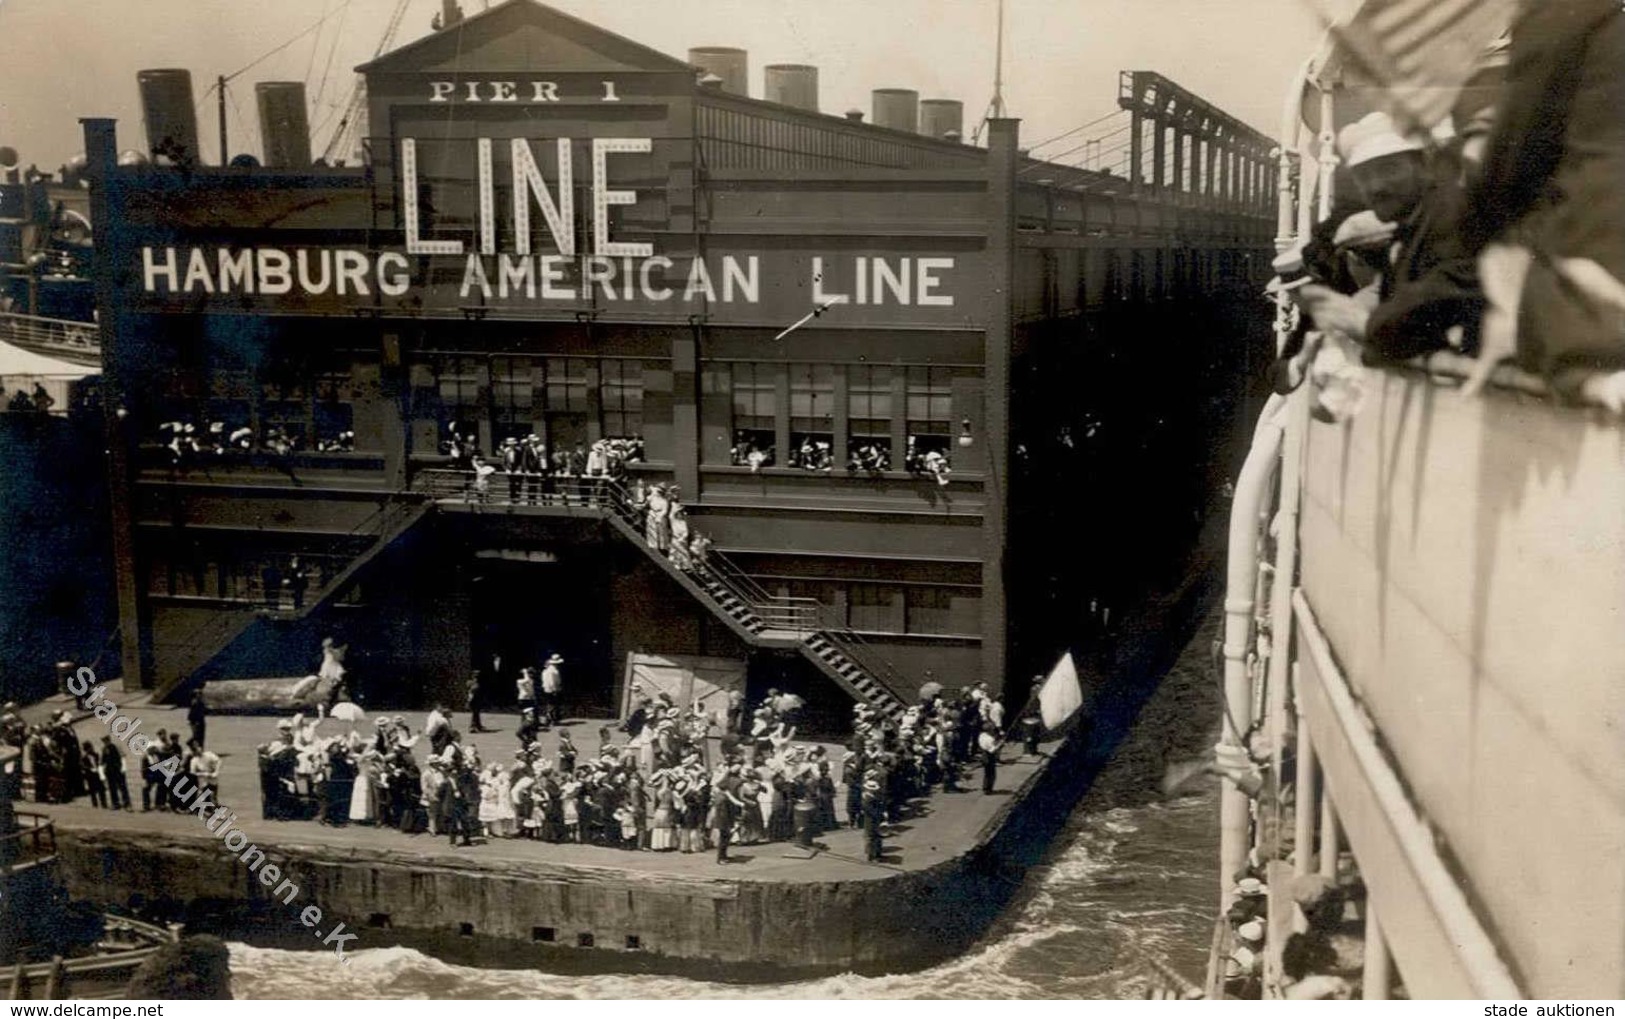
(208, 641)
(867, 657)
(805, 617)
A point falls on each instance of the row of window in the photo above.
(516, 393)
(894, 608)
(523, 390)
(870, 389)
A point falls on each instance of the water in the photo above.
(1132, 874)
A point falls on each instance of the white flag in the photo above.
(1061, 695)
(1420, 52)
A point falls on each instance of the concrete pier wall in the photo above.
(459, 906)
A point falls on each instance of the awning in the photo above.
(17, 362)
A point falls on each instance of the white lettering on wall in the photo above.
(871, 280)
(399, 279)
(603, 197)
(150, 270)
(415, 244)
(528, 183)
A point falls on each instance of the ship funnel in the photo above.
(170, 117)
(726, 62)
(941, 117)
(284, 127)
(791, 84)
(897, 108)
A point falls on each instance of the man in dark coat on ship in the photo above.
(1429, 298)
(1548, 214)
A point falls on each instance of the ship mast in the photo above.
(995, 106)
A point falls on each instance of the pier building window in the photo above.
(876, 608)
(231, 398)
(285, 407)
(620, 393)
(567, 411)
(457, 381)
(812, 416)
(930, 409)
(755, 412)
(943, 610)
(511, 398)
(869, 416)
(333, 414)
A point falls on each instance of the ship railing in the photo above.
(32, 843)
(42, 334)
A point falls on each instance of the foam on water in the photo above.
(1120, 884)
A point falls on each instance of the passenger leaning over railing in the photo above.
(1429, 298)
(1548, 216)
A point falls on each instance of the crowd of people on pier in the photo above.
(61, 768)
(1500, 234)
(667, 778)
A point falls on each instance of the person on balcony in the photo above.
(513, 464)
(534, 464)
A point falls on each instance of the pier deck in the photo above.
(945, 826)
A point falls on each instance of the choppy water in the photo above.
(1123, 882)
(1130, 875)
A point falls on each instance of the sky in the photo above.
(66, 59)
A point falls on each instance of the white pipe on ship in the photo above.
(1252, 491)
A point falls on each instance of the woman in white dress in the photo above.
(309, 758)
(332, 660)
(492, 796)
(363, 798)
(765, 798)
(679, 537)
(657, 522)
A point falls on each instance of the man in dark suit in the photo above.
(874, 818)
(476, 699)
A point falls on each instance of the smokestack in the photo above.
(897, 108)
(450, 14)
(726, 62)
(170, 117)
(942, 117)
(791, 84)
(284, 127)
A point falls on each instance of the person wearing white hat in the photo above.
(552, 687)
(1429, 297)
(1389, 168)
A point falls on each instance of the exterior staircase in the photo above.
(762, 619)
(757, 617)
(206, 645)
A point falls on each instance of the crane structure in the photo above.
(344, 133)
